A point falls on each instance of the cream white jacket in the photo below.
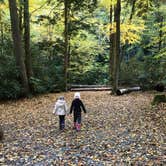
(60, 107)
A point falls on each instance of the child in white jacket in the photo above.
(60, 109)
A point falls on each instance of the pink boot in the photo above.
(78, 128)
(75, 125)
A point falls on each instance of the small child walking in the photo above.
(60, 109)
(76, 107)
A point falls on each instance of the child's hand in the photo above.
(69, 115)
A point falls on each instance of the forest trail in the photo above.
(117, 130)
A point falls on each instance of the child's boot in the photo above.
(63, 126)
(75, 125)
(78, 127)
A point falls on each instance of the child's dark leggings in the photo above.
(77, 118)
(61, 122)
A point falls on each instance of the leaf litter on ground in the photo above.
(117, 130)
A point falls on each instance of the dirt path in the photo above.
(116, 131)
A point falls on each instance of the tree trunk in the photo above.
(2, 35)
(18, 49)
(160, 20)
(160, 32)
(66, 55)
(132, 10)
(28, 59)
(116, 50)
(111, 44)
(20, 15)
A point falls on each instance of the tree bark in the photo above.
(2, 35)
(111, 44)
(116, 50)
(28, 58)
(160, 32)
(20, 16)
(132, 10)
(159, 19)
(18, 48)
(127, 90)
(66, 55)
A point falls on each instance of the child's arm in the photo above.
(65, 108)
(71, 108)
(54, 110)
(83, 107)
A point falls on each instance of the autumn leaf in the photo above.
(121, 130)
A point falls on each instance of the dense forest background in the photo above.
(47, 45)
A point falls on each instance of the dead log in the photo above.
(89, 87)
(127, 90)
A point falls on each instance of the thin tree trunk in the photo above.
(132, 10)
(160, 32)
(2, 35)
(66, 56)
(111, 44)
(116, 47)
(18, 48)
(118, 41)
(28, 58)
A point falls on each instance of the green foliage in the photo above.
(143, 7)
(129, 72)
(145, 71)
(107, 3)
(9, 78)
(10, 89)
(158, 99)
(84, 68)
(37, 85)
(48, 66)
(143, 49)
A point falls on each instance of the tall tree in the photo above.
(18, 48)
(116, 49)
(20, 15)
(112, 34)
(66, 55)
(2, 26)
(115, 11)
(160, 21)
(1, 31)
(28, 58)
(132, 9)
